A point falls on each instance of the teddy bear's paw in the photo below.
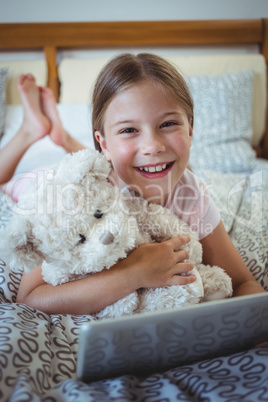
(217, 284)
(218, 295)
(170, 297)
(125, 306)
(18, 247)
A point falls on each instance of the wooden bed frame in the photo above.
(52, 37)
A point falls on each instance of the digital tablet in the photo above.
(151, 342)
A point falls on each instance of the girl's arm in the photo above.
(150, 265)
(218, 249)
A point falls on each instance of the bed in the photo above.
(38, 352)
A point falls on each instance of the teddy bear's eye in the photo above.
(98, 214)
(82, 239)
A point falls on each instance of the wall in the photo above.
(112, 10)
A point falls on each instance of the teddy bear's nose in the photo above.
(107, 237)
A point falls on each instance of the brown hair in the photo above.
(127, 69)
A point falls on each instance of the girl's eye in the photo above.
(168, 124)
(128, 130)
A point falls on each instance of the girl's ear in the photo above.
(190, 134)
(101, 140)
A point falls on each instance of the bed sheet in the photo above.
(38, 352)
(250, 230)
(38, 363)
(242, 200)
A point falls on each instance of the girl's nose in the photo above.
(152, 144)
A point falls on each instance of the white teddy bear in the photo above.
(74, 223)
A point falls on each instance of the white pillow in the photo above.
(223, 122)
(230, 157)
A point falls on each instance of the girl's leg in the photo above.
(35, 125)
(57, 133)
(40, 118)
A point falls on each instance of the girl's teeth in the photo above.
(153, 169)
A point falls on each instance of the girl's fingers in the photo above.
(177, 242)
(183, 280)
(183, 268)
(181, 256)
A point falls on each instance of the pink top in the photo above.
(191, 202)
(18, 184)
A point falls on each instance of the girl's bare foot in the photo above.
(57, 133)
(35, 124)
(49, 106)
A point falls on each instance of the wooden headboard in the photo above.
(52, 37)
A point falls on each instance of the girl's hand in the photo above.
(162, 264)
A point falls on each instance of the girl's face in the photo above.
(147, 139)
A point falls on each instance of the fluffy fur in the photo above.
(74, 223)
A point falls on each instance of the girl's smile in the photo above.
(155, 171)
(147, 137)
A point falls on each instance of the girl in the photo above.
(143, 123)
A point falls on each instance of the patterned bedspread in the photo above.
(38, 352)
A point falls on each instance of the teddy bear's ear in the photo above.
(88, 162)
(19, 248)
